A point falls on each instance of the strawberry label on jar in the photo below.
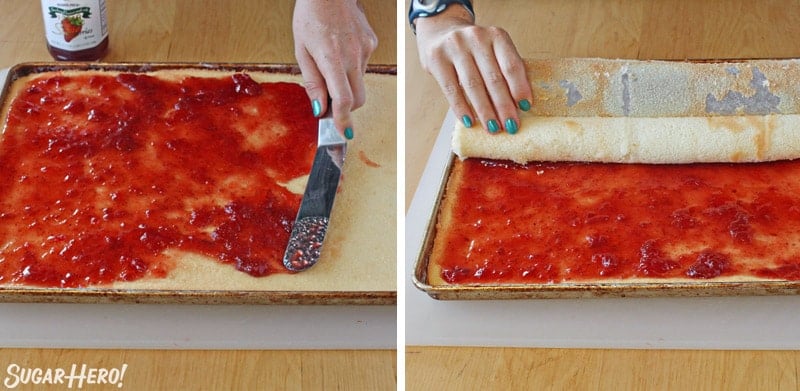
(75, 25)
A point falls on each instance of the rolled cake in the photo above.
(626, 111)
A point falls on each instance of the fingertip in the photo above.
(511, 126)
(316, 107)
(344, 125)
(524, 104)
(317, 95)
(466, 120)
(341, 115)
(492, 126)
(313, 82)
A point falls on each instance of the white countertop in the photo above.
(197, 326)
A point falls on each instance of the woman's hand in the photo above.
(478, 69)
(332, 44)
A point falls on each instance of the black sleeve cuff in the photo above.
(420, 10)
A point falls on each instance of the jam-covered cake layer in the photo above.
(106, 177)
(556, 222)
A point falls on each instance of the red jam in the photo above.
(104, 177)
(553, 222)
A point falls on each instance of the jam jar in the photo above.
(76, 30)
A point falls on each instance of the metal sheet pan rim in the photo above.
(160, 296)
(141, 67)
(13, 294)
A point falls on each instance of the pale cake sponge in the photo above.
(638, 140)
(358, 255)
(629, 111)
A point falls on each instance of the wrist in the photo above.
(449, 18)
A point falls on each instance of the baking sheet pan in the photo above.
(356, 295)
(606, 322)
(656, 288)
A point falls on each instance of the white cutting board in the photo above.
(767, 322)
(196, 326)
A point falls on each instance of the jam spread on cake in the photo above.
(555, 222)
(105, 177)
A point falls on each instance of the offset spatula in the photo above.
(305, 242)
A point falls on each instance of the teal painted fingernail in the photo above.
(524, 105)
(316, 108)
(511, 126)
(466, 120)
(348, 133)
(494, 127)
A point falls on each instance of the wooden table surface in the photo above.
(666, 29)
(208, 31)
